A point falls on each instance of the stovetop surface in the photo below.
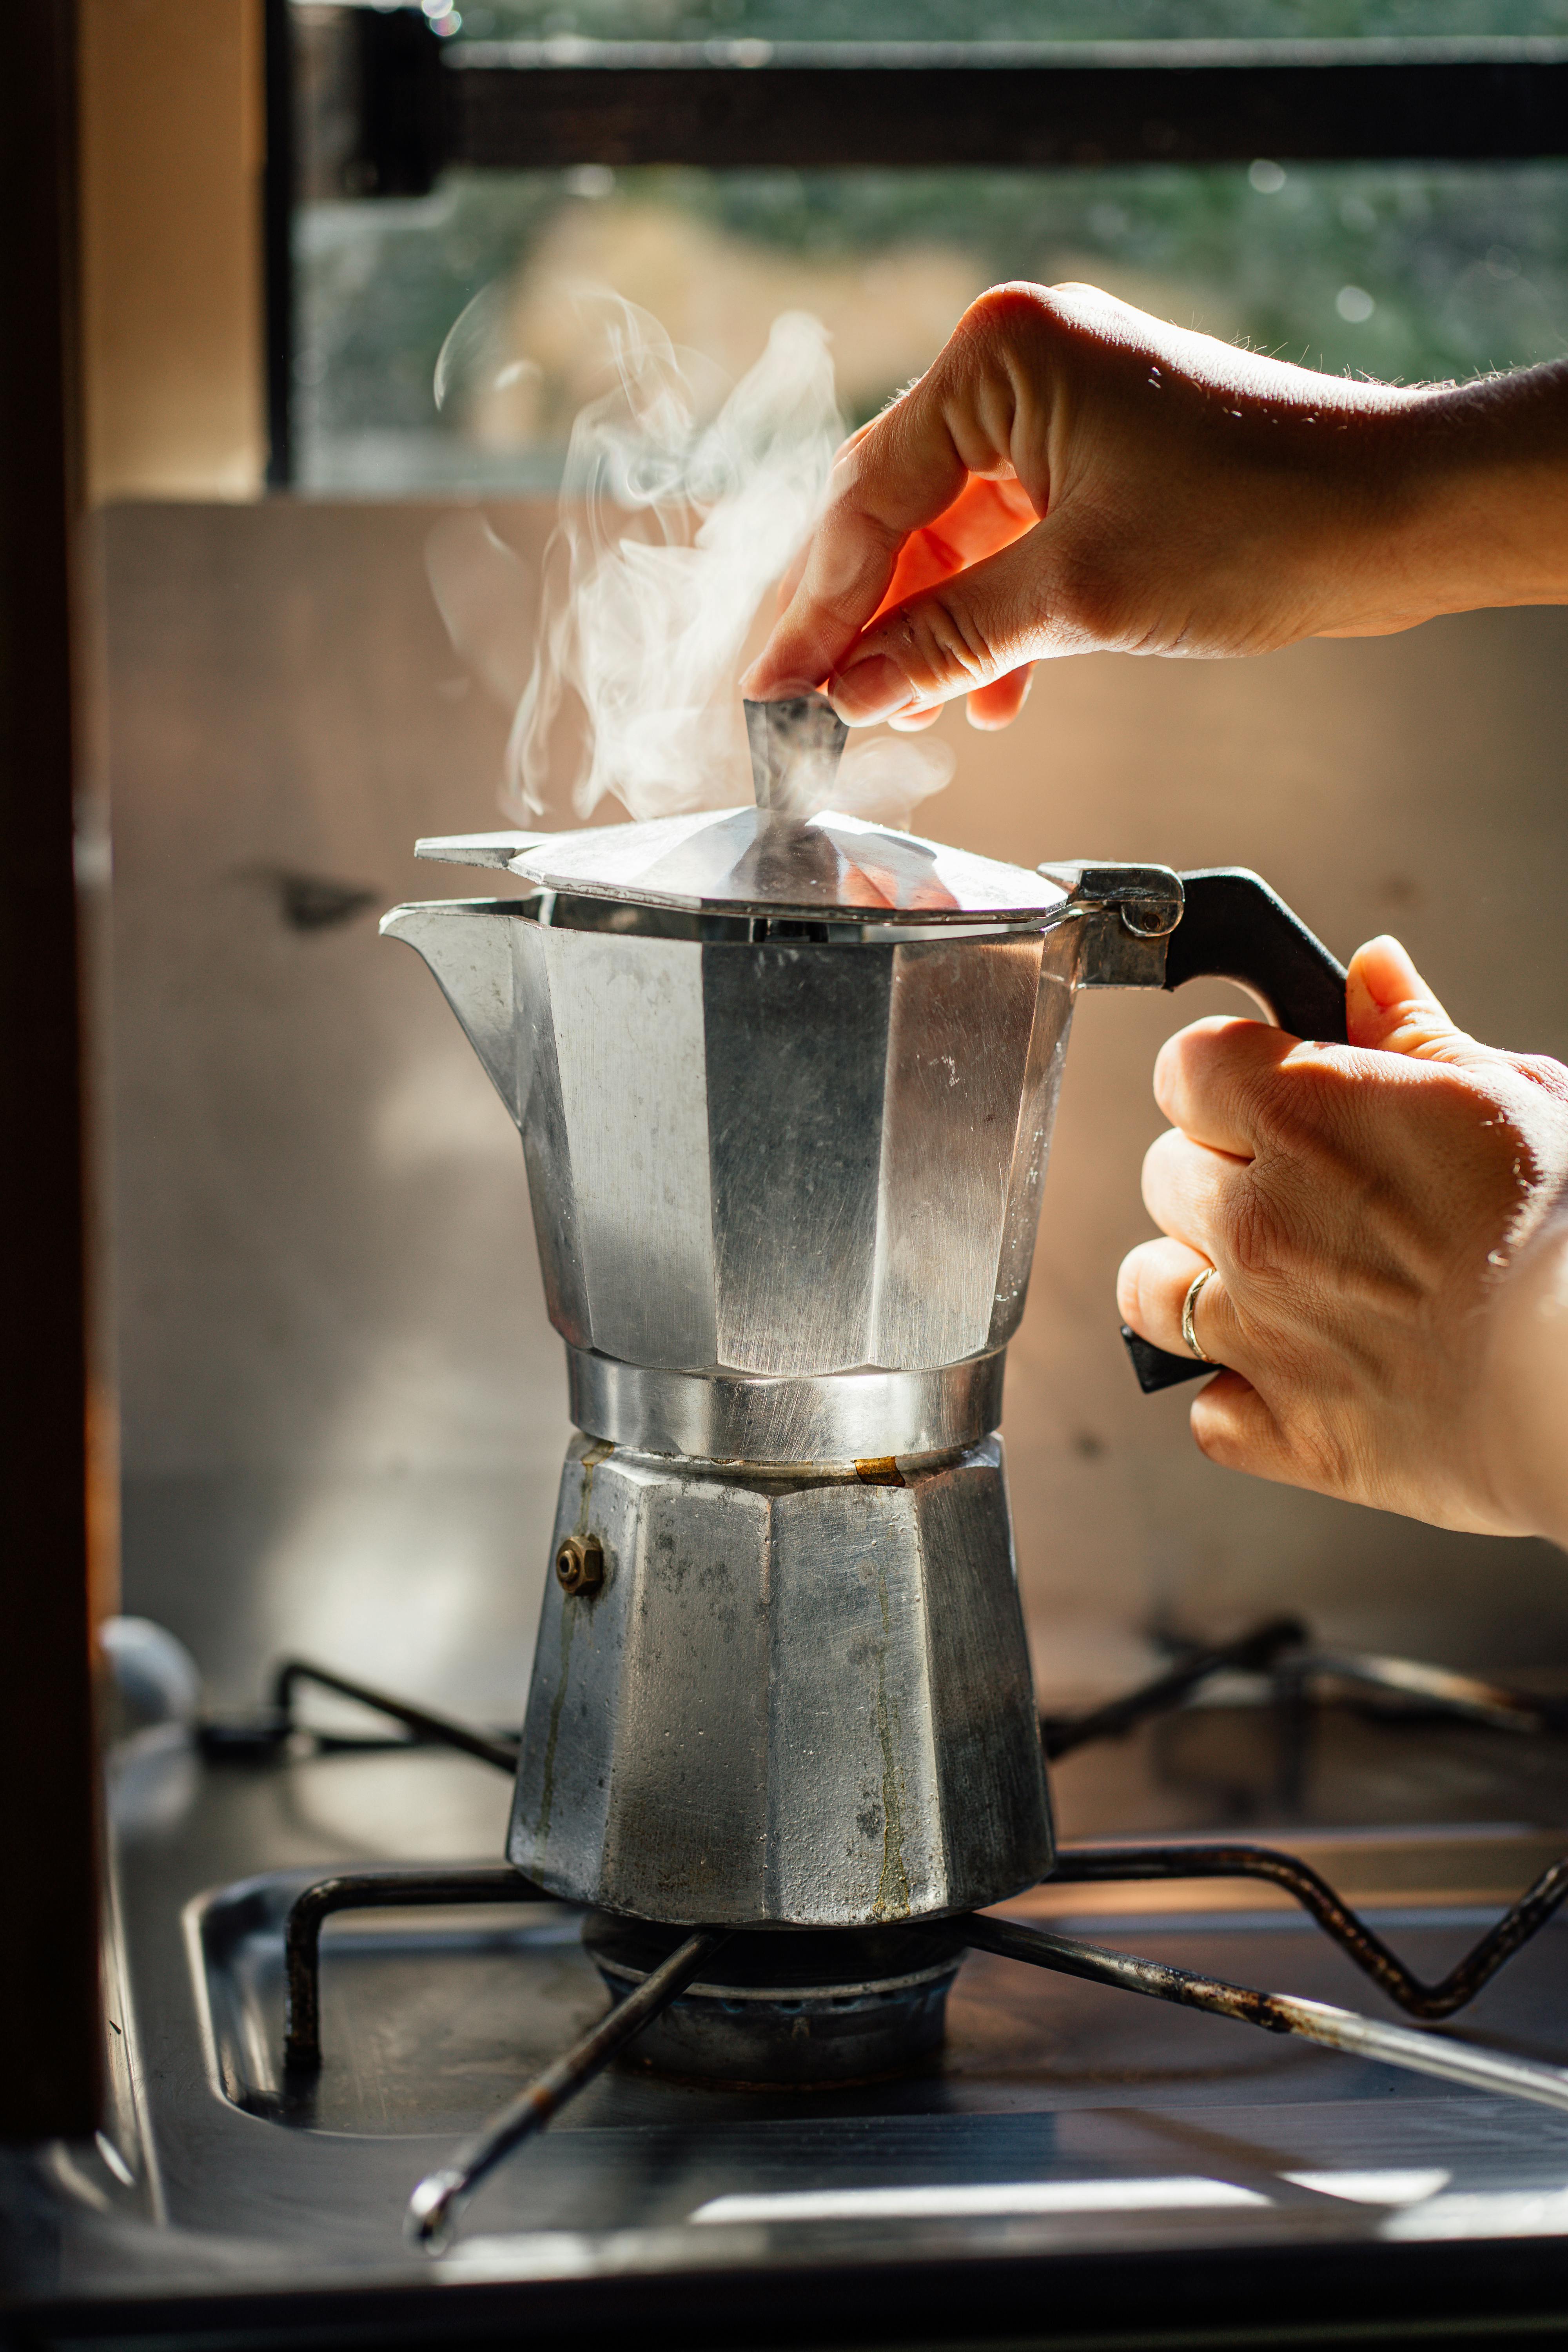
(1063, 2117)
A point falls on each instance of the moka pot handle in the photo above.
(1234, 926)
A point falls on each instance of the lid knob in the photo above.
(796, 745)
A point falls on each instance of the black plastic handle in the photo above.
(1233, 927)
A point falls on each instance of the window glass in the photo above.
(1400, 271)
(1004, 20)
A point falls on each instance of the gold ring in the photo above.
(1189, 1304)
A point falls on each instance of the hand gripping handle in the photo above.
(1233, 927)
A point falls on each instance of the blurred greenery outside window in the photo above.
(1400, 271)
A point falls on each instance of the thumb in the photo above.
(960, 634)
(1389, 1006)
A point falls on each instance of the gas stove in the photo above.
(975, 2148)
(782, 1972)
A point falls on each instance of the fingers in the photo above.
(1239, 1431)
(902, 474)
(906, 471)
(960, 635)
(791, 578)
(998, 704)
(1151, 1287)
(1389, 1006)
(990, 706)
(1213, 1080)
(1187, 1189)
(1230, 1420)
(985, 516)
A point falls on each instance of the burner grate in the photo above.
(847, 2006)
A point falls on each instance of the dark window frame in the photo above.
(426, 103)
(52, 2084)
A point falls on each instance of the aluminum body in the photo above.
(786, 1158)
(785, 1178)
(797, 1698)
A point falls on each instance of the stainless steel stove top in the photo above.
(1064, 2124)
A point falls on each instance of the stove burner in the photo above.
(815, 2008)
(789, 2010)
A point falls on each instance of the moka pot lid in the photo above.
(767, 862)
(791, 856)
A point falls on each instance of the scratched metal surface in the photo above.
(784, 1705)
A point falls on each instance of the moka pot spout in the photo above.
(472, 947)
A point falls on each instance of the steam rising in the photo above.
(681, 504)
(646, 623)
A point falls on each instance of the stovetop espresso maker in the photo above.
(785, 1085)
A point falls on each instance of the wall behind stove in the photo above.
(342, 1402)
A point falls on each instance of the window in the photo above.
(1405, 268)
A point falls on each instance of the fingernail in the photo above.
(869, 690)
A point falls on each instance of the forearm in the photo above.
(1390, 505)
(1475, 489)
